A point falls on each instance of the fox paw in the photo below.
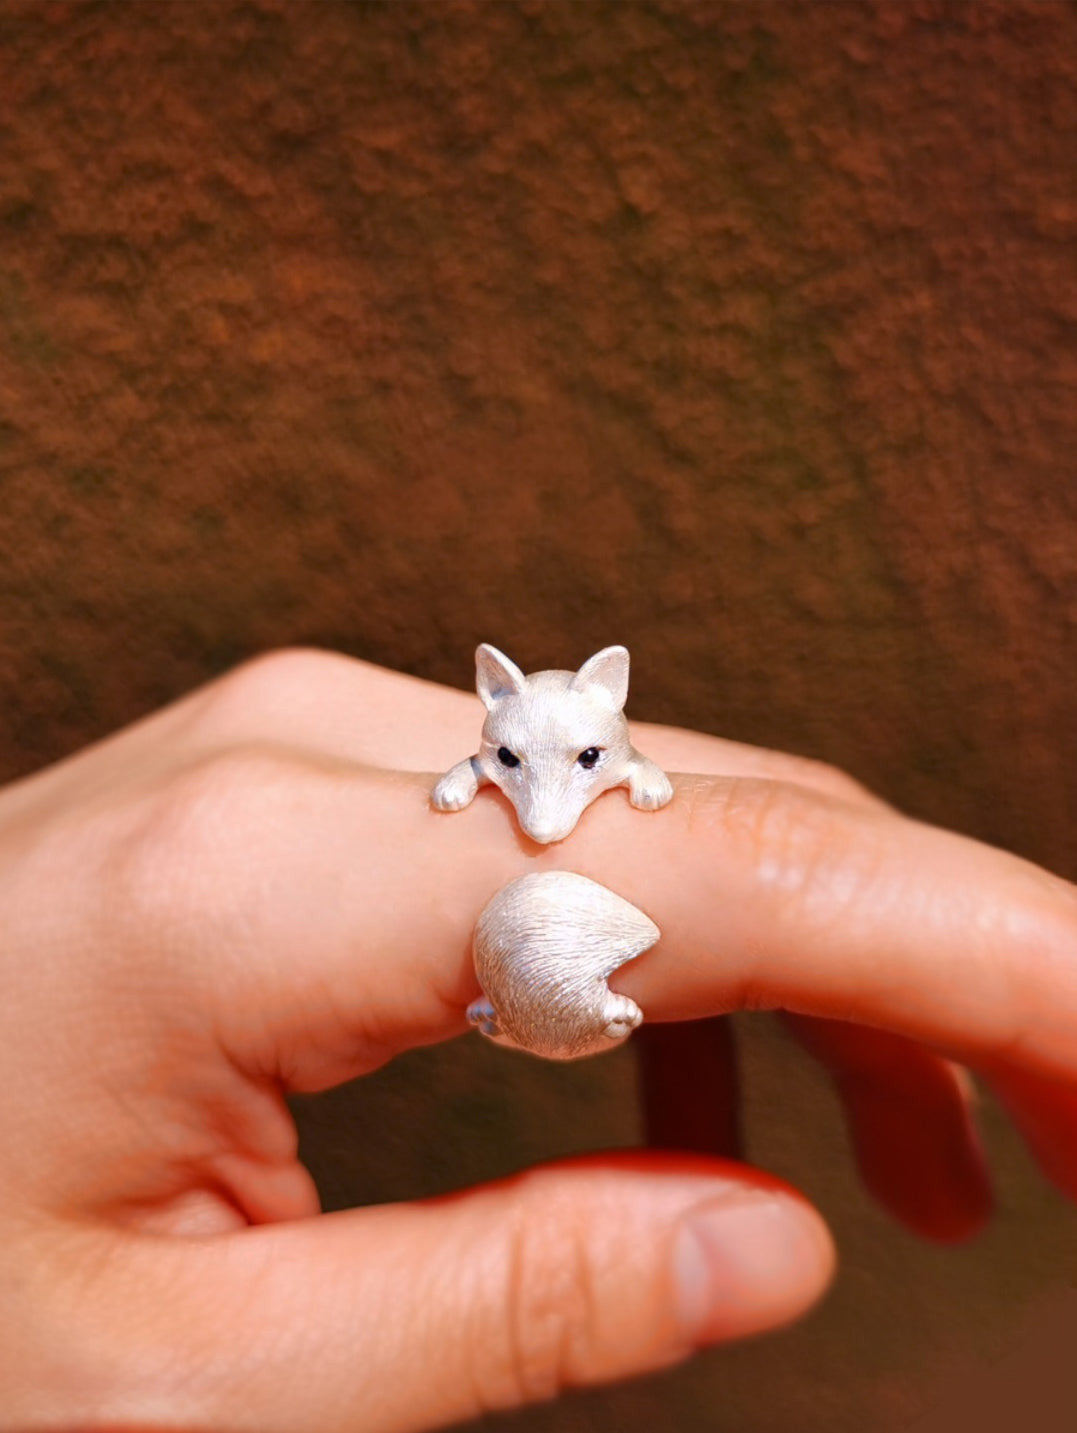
(622, 1016)
(456, 789)
(649, 787)
(483, 1016)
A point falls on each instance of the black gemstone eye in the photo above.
(589, 757)
(506, 757)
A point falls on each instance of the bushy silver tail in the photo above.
(545, 946)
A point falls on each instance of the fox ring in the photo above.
(545, 945)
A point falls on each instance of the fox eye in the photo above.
(589, 757)
(506, 757)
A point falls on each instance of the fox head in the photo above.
(554, 741)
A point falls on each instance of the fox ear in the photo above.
(607, 670)
(496, 676)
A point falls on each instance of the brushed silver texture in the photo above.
(546, 723)
(545, 945)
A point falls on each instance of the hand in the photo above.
(249, 893)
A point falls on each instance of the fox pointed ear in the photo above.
(607, 670)
(496, 676)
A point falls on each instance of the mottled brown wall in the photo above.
(743, 333)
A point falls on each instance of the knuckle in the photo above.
(189, 836)
(279, 683)
(801, 846)
(544, 1330)
(785, 835)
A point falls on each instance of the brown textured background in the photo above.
(741, 333)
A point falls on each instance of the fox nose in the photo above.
(544, 833)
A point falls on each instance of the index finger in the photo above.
(766, 894)
(791, 898)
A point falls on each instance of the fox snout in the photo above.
(547, 830)
(551, 795)
(549, 811)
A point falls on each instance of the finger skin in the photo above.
(323, 951)
(909, 1114)
(788, 899)
(333, 706)
(1045, 1111)
(803, 894)
(782, 898)
(416, 1315)
(912, 1126)
(844, 856)
(367, 714)
(687, 1075)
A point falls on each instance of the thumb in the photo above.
(416, 1315)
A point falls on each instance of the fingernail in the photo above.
(746, 1265)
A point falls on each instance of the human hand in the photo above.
(248, 893)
